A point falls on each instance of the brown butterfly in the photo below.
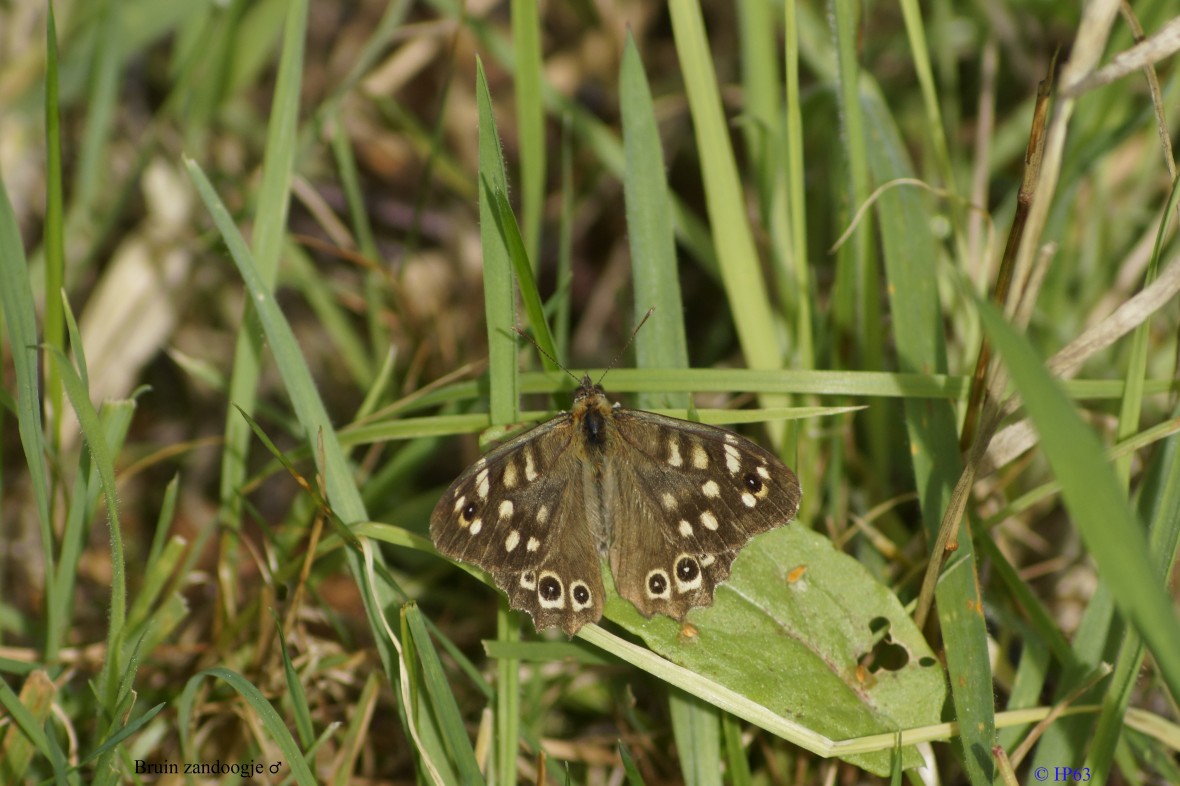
(669, 502)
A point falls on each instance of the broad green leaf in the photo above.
(805, 631)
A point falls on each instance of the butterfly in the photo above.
(668, 502)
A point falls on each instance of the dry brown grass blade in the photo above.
(1145, 54)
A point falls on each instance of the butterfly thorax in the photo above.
(591, 413)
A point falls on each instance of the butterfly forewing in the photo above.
(516, 514)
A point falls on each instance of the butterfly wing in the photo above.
(684, 498)
(516, 514)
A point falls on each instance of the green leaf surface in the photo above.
(790, 631)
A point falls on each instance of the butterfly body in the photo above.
(668, 502)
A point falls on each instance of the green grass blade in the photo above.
(534, 308)
(565, 256)
(102, 95)
(737, 765)
(26, 733)
(916, 31)
(1097, 505)
(54, 234)
(271, 721)
(910, 264)
(499, 300)
(160, 572)
(1127, 663)
(342, 492)
(634, 776)
(662, 343)
(530, 120)
(796, 194)
(303, 722)
(164, 521)
(733, 242)
(502, 251)
(593, 132)
(123, 733)
(252, 41)
(762, 105)
(362, 228)
(104, 462)
(269, 230)
(649, 228)
(855, 287)
(337, 322)
(16, 298)
(856, 295)
(442, 701)
(359, 727)
(270, 226)
(696, 727)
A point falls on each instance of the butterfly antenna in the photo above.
(556, 362)
(624, 349)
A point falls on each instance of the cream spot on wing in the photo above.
(733, 459)
(533, 544)
(481, 481)
(668, 500)
(542, 514)
(476, 526)
(506, 509)
(700, 459)
(459, 503)
(707, 560)
(481, 463)
(685, 528)
(709, 520)
(764, 472)
(530, 469)
(528, 580)
(512, 541)
(749, 500)
(711, 489)
(674, 452)
(731, 438)
(509, 479)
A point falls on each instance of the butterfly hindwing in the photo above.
(516, 514)
(565, 589)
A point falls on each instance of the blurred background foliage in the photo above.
(380, 276)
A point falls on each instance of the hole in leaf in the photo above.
(886, 655)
